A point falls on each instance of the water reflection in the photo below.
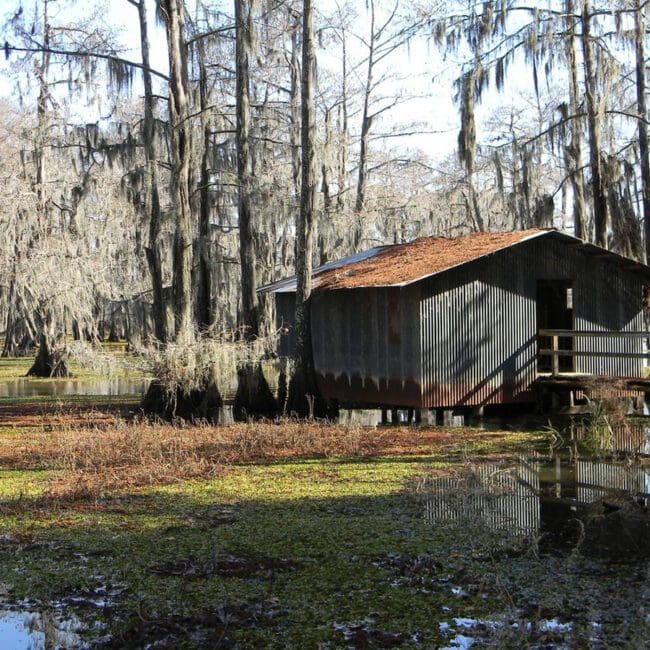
(536, 495)
(27, 387)
(503, 498)
(26, 630)
(627, 437)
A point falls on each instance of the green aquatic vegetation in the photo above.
(323, 545)
(65, 402)
(12, 368)
(22, 484)
(291, 553)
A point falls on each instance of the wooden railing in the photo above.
(555, 352)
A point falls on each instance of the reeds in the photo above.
(90, 462)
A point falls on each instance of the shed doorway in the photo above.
(555, 311)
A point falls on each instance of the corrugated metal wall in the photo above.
(478, 343)
(609, 299)
(479, 322)
(467, 336)
(366, 345)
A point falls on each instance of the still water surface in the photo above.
(27, 387)
(565, 498)
(27, 630)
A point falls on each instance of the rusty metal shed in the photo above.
(443, 322)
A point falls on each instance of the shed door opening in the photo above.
(555, 311)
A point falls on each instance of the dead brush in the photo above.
(261, 440)
(91, 461)
(94, 461)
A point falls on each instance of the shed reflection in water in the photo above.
(532, 496)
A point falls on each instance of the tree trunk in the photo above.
(249, 306)
(180, 128)
(366, 123)
(49, 361)
(204, 312)
(467, 147)
(152, 205)
(593, 106)
(10, 329)
(303, 397)
(294, 103)
(325, 223)
(254, 398)
(343, 129)
(572, 150)
(644, 155)
(42, 72)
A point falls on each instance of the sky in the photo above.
(427, 77)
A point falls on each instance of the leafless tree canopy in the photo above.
(148, 193)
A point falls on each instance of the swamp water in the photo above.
(27, 387)
(565, 536)
(27, 630)
(563, 503)
(566, 498)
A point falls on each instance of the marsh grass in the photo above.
(93, 454)
(596, 432)
(88, 462)
(605, 431)
(323, 514)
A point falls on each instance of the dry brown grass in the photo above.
(91, 461)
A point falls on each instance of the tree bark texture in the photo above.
(49, 361)
(644, 155)
(249, 305)
(366, 123)
(204, 282)
(180, 129)
(294, 104)
(42, 72)
(593, 107)
(303, 394)
(152, 206)
(572, 149)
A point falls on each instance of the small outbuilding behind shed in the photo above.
(446, 323)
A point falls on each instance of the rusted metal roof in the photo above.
(288, 285)
(399, 265)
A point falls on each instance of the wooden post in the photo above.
(555, 347)
(394, 416)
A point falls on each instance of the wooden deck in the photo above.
(569, 386)
(589, 383)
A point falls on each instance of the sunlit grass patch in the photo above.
(81, 366)
(22, 483)
(286, 535)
